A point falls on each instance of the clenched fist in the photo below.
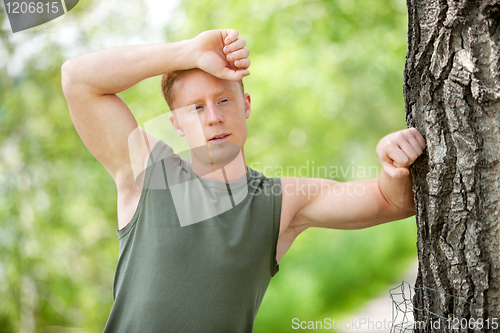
(222, 54)
(397, 151)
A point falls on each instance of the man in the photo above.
(201, 238)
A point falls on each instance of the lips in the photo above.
(219, 137)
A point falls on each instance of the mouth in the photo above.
(220, 137)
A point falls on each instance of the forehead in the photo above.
(195, 84)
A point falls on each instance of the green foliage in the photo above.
(326, 85)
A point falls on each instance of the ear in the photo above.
(175, 124)
(247, 105)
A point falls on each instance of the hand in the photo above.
(222, 54)
(397, 151)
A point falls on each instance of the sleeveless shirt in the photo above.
(206, 271)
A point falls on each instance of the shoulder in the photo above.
(288, 191)
(258, 179)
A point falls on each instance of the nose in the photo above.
(214, 115)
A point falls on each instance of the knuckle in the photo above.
(402, 158)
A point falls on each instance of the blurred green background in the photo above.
(326, 84)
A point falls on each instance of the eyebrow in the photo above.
(221, 92)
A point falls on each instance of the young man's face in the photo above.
(207, 107)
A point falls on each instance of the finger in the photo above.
(393, 171)
(232, 66)
(402, 172)
(398, 157)
(409, 135)
(232, 35)
(242, 63)
(416, 145)
(420, 139)
(238, 54)
(234, 75)
(236, 45)
(409, 151)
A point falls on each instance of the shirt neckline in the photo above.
(213, 183)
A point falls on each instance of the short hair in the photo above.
(167, 82)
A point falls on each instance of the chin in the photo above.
(224, 153)
(219, 154)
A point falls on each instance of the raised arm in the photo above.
(90, 84)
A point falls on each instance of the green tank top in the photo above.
(205, 271)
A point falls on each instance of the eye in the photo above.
(223, 100)
(197, 107)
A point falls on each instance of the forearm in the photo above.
(398, 191)
(113, 70)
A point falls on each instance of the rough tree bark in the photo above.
(452, 95)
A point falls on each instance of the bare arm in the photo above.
(113, 70)
(90, 84)
(309, 202)
(103, 121)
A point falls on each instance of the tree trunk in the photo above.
(452, 91)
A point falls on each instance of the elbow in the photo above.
(67, 70)
(72, 82)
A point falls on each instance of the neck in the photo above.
(229, 171)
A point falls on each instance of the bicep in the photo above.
(107, 126)
(340, 205)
